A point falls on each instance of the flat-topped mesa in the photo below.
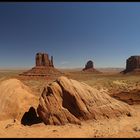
(42, 59)
(89, 67)
(132, 65)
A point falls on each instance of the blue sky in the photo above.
(107, 33)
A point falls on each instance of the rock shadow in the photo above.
(30, 117)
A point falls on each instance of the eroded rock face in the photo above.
(69, 101)
(132, 64)
(131, 97)
(42, 59)
(89, 67)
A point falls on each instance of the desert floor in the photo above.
(113, 83)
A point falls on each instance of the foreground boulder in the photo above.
(15, 99)
(69, 101)
(89, 67)
(132, 65)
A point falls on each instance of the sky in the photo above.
(73, 32)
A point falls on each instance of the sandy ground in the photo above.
(123, 127)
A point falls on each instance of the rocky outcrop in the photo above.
(89, 67)
(132, 65)
(131, 97)
(69, 101)
(42, 71)
(15, 99)
(44, 67)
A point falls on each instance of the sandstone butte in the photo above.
(132, 65)
(69, 101)
(43, 66)
(89, 67)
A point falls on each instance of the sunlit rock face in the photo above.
(69, 101)
(15, 99)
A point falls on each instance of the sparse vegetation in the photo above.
(112, 82)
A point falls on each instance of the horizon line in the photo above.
(24, 68)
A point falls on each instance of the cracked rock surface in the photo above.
(69, 101)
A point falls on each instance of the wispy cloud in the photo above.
(64, 62)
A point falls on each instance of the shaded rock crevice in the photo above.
(30, 117)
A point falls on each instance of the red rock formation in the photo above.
(131, 97)
(89, 67)
(132, 65)
(44, 66)
(69, 101)
(51, 62)
(42, 59)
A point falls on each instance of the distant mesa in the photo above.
(44, 66)
(132, 65)
(89, 67)
(89, 64)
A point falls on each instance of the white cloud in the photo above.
(64, 62)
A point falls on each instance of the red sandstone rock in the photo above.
(42, 59)
(44, 66)
(132, 65)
